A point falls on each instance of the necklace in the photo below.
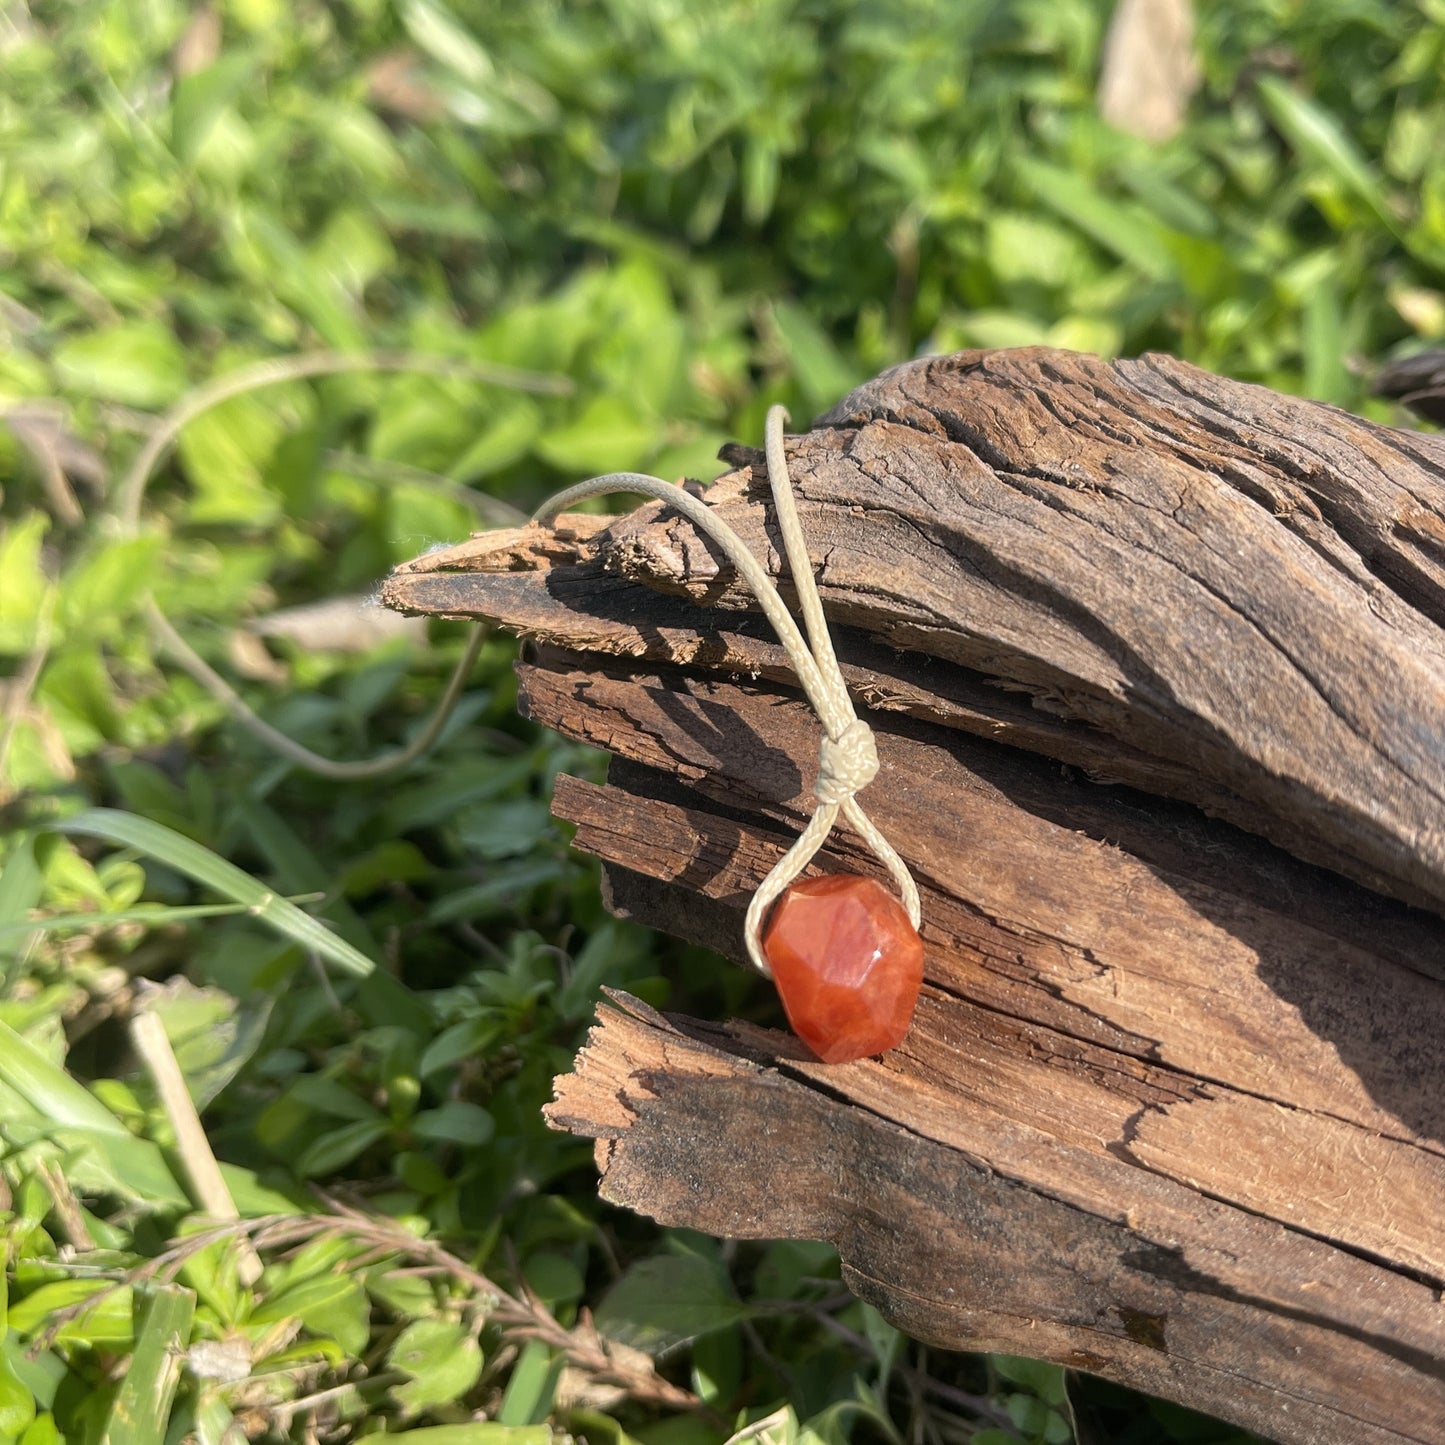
(844, 953)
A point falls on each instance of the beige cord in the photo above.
(847, 758)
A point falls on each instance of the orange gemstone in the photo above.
(848, 965)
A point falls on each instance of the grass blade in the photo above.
(189, 857)
(21, 885)
(50, 1091)
(100, 1152)
(142, 1405)
(1126, 231)
(17, 1402)
(152, 914)
(1316, 135)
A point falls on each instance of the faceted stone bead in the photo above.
(847, 963)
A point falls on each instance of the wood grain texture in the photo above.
(1145, 990)
(1155, 663)
(1000, 1235)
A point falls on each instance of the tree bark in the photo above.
(1156, 666)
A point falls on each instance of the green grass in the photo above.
(684, 214)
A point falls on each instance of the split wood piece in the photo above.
(968, 1226)
(1182, 1144)
(1173, 1108)
(584, 608)
(1201, 1033)
(1244, 586)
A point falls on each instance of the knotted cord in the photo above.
(847, 757)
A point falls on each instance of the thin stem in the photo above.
(271, 373)
(148, 1035)
(190, 661)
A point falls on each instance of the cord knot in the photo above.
(846, 763)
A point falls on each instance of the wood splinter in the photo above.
(1156, 670)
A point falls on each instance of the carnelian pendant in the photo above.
(847, 963)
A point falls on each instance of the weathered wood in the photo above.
(1244, 586)
(1173, 1107)
(1039, 922)
(999, 1235)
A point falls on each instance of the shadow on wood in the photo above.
(1156, 668)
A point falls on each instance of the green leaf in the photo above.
(43, 1431)
(469, 1039)
(78, 690)
(334, 1305)
(1033, 1418)
(322, 1094)
(22, 598)
(505, 890)
(252, 1198)
(513, 424)
(17, 1401)
(225, 451)
(454, 1122)
(211, 1034)
(296, 864)
(101, 1154)
(887, 1342)
(142, 1405)
(510, 829)
(107, 1322)
(443, 1359)
(614, 953)
(532, 1386)
(200, 98)
(1044, 1379)
(607, 435)
(480, 1432)
(99, 1162)
(718, 1367)
(1126, 230)
(1326, 377)
(21, 886)
(404, 1295)
(665, 1301)
(187, 856)
(137, 363)
(822, 373)
(1024, 247)
(437, 31)
(1318, 138)
(554, 1279)
(214, 1422)
(338, 1147)
(50, 1091)
(42, 1372)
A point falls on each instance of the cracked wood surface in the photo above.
(1241, 585)
(971, 1227)
(1173, 1107)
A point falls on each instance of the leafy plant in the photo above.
(678, 215)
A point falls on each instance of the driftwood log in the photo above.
(1156, 663)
